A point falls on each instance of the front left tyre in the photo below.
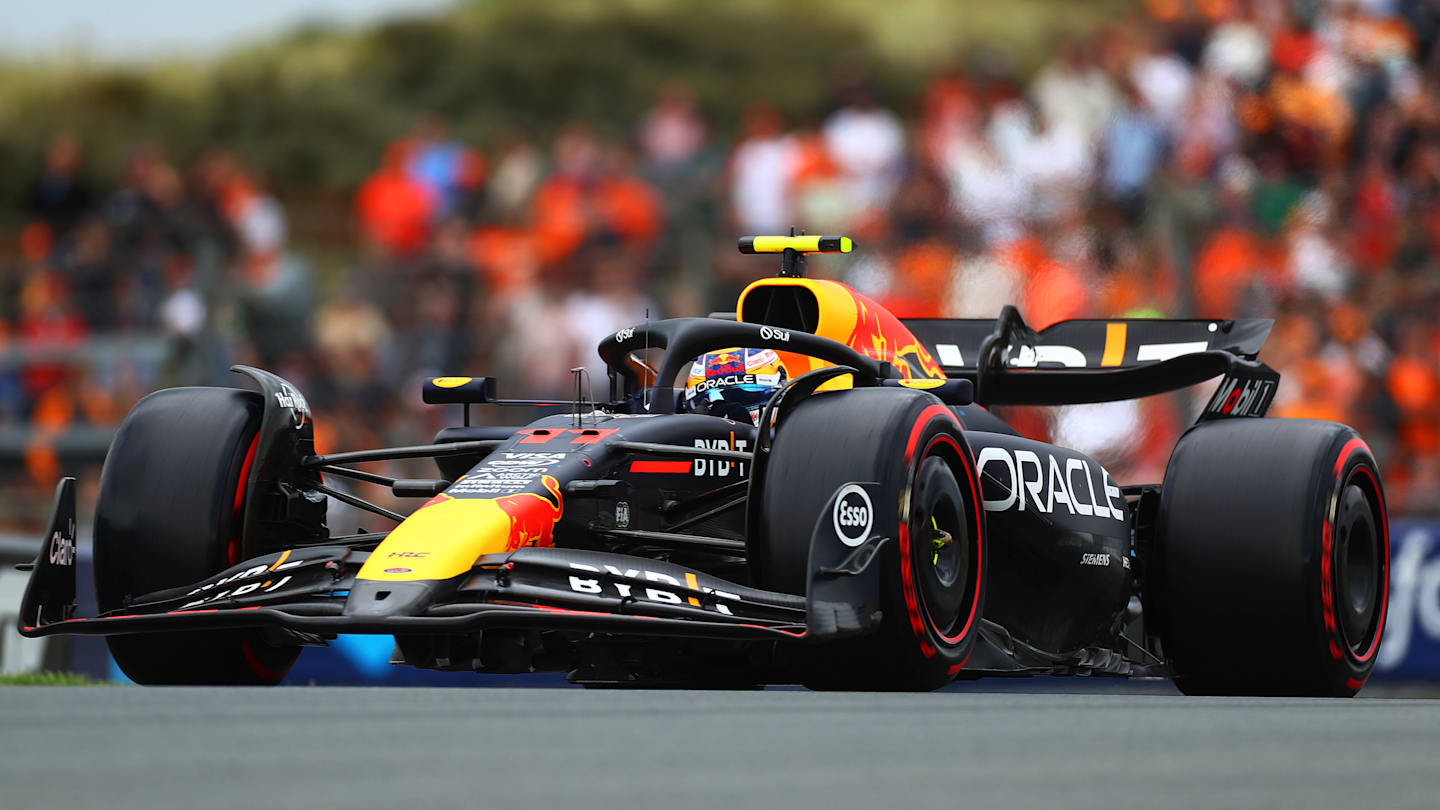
(169, 513)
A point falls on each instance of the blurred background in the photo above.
(358, 195)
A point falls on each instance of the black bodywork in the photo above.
(649, 579)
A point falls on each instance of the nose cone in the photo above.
(376, 599)
(443, 538)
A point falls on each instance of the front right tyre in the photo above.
(169, 514)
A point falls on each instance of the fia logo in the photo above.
(622, 515)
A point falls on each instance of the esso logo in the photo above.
(625, 334)
(771, 333)
(854, 515)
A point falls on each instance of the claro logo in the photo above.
(62, 545)
(1046, 486)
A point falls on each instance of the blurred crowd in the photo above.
(1202, 158)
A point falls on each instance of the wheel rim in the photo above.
(1357, 567)
(941, 553)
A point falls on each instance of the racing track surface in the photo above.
(514, 748)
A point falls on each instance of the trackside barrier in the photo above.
(1410, 650)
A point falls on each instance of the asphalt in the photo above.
(311, 747)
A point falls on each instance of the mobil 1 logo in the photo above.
(854, 515)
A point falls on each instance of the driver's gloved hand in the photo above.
(729, 410)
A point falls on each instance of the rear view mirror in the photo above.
(950, 392)
(459, 390)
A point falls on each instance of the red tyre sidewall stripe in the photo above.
(1327, 585)
(1385, 568)
(232, 548)
(257, 666)
(920, 423)
(232, 552)
(907, 573)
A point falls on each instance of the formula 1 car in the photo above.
(874, 526)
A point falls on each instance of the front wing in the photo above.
(529, 588)
(314, 591)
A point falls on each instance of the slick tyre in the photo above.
(1273, 559)
(168, 514)
(932, 573)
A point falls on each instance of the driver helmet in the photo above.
(734, 383)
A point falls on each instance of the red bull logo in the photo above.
(533, 516)
(443, 538)
(725, 363)
(879, 335)
(851, 318)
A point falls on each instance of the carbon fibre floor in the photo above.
(121, 747)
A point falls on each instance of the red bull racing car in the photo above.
(808, 490)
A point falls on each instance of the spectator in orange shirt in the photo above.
(1414, 385)
(559, 210)
(624, 204)
(1226, 265)
(394, 209)
(47, 322)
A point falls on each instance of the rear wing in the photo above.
(1082, 361)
